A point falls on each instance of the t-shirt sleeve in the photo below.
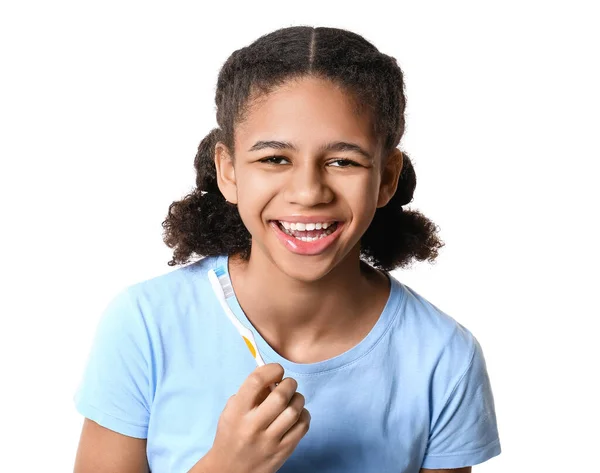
(463, 428)
(115, 390)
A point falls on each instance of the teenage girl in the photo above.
(299, 201)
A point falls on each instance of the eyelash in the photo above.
(348, 161)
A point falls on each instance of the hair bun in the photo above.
(407, 182)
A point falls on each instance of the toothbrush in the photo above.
(223, 289)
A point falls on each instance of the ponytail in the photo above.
(203, 222)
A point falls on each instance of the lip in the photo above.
(307, 248)
(307, 219)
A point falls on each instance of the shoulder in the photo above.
(440, 349)
(153, 309)
(178, 289)
(430, 328)
(431, 346)
(176, 281)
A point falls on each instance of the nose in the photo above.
(307, 185)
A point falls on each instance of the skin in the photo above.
(320, 298)
(102, 450)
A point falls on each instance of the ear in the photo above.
(225, 173)
(389, 177)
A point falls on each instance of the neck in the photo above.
(289, 312)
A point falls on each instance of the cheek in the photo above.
(255, 183)
(253, 194)
(362, 192)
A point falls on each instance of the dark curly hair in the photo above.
(204, 223)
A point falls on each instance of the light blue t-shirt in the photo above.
(414, 393)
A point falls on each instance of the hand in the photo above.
(259, 428)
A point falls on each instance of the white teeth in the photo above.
(311, 239)
(289, 229)
(305, 226)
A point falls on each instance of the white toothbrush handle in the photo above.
(246, 334)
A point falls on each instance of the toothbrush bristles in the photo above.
(226, 285)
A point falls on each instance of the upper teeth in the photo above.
(305, 226)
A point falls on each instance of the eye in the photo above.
(344, 163)
(271, 159)
(347, 161)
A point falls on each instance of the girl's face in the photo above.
(283, 171)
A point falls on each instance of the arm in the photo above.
(466, 469)
(115, 393)
(102, 450)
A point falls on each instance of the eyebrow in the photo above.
(333, 146)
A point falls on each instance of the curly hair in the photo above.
(205, 224)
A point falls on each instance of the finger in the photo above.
(275, 403)
(250, 393)
(291, 438)
(264, 394)
(287, 418)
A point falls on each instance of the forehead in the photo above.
(307, 111)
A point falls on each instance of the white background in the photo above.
(103, 105)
